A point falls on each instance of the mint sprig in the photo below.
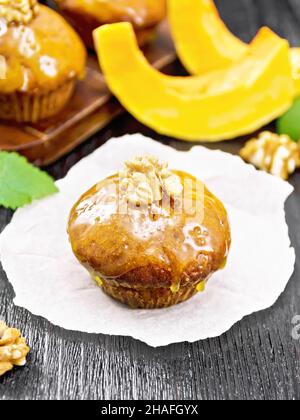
(289, 123)
(21, 182)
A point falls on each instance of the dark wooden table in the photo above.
(256, 359)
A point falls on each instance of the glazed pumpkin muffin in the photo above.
(149, 236)
(41, 58)
(87, 15)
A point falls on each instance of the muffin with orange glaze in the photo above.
(87, 15)
(41, 58)
(149, 236)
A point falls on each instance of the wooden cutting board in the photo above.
(91, 108)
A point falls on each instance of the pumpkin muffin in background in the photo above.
(41, 59)
(87, 15)
(149, 236)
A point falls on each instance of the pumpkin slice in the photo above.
(295, 60)
(220, 105)
(203, 41)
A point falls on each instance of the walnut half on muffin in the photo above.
(41, 59)
(149, 236)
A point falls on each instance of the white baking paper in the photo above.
(48, 280)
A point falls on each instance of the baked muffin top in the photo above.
(151, 238)
(39, 51)
(141, 13)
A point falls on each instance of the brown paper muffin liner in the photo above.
(26, 107)
(148, 298)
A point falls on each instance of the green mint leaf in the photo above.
(289, 123)
(21, 182)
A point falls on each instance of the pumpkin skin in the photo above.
(217, 106)
(204, 43)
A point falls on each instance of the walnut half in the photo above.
(13, 348)
(145, 179)
(273, 153)
(18, 11)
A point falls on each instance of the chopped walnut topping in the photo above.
(13, 348)
(278, 155)
(145, 179)
(18, 11)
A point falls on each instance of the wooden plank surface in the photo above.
(256, 359)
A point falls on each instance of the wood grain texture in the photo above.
(256, 359)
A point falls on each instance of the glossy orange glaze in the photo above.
(141, 13)
(110, 244)
(41, 55)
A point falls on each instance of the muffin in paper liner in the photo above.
(86, 16)
(85, 25)
(41, 58)
(149, 236)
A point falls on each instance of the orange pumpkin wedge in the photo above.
(295, 60)
(203, 41)
(218, 106)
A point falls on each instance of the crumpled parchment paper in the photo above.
(48, 280)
